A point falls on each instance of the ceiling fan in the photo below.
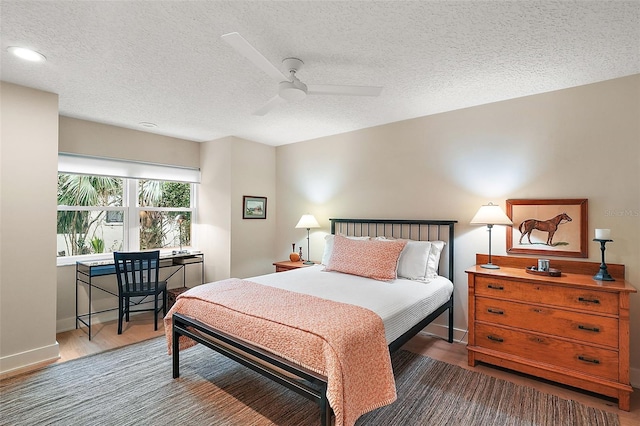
(290, 88)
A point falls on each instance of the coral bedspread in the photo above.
(343, 342)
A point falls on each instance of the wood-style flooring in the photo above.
(75, 344)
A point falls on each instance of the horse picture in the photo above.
(550, 226)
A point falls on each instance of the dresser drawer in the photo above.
(583, 299)
(573, 325)
(549, 350)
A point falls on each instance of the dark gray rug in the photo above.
(133, 386)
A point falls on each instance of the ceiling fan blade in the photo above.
(248, 51)
(332, 89)
(271, 104)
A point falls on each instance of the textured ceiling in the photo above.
(164, 62)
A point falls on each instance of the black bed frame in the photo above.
(303, 381)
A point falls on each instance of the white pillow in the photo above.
(419, 260)
(414, 260)
(328, 247)
(434, 259)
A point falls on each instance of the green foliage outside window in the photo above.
(83, 230)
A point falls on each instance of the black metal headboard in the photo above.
(420, 230)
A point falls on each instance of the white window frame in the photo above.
(132, 171)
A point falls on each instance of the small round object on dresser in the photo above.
(294, 257)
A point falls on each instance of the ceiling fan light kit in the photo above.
(291, 91)
(291, 88)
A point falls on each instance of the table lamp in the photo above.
(308, 221)
(490, 215)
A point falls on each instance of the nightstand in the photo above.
(287, 265)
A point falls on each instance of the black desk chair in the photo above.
(137, 274)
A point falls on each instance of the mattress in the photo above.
(400, 303)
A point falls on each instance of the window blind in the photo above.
(99, 166)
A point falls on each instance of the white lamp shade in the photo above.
(491, 214)
(307, 221)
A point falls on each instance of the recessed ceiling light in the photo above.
(148, 124)
(27, 54)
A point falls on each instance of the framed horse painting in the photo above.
(548, 227)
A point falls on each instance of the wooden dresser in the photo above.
(570, 329)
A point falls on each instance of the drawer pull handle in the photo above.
(586, 328)
(495, 287)
(494, 338)
(495, 311)
(587, 359)
(584, 299)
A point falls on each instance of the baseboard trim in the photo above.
(442, 331)
(30, 358)
(634, 377)
(67, 324)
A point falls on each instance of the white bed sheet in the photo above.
(400, 303)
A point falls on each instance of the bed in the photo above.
(398, 309)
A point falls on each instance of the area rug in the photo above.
(133, 386)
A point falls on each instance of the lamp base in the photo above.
(308, 262)
(489, 266)
(603, 275)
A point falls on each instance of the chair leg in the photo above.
(126, 308)
(164, 303)
(155, 312)
(120, 315)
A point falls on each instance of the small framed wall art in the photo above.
(548, 227)
(254, 207)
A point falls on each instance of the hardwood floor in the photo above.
(75, 344)
(456, 353)
(104, 336)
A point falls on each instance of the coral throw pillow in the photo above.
(369, 258)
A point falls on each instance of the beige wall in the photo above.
(102, 140)
(214, 208)
(582, 142)
(253, 240)
(231, 168)
(28, 176)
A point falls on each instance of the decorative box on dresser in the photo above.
(570, 329)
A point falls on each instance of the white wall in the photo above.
(28, 176)
(576, 143)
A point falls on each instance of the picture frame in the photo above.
(541, 227)
(254, 207)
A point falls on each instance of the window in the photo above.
(83, 205)
(101, 214)
(107, 205)
(165, 214)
